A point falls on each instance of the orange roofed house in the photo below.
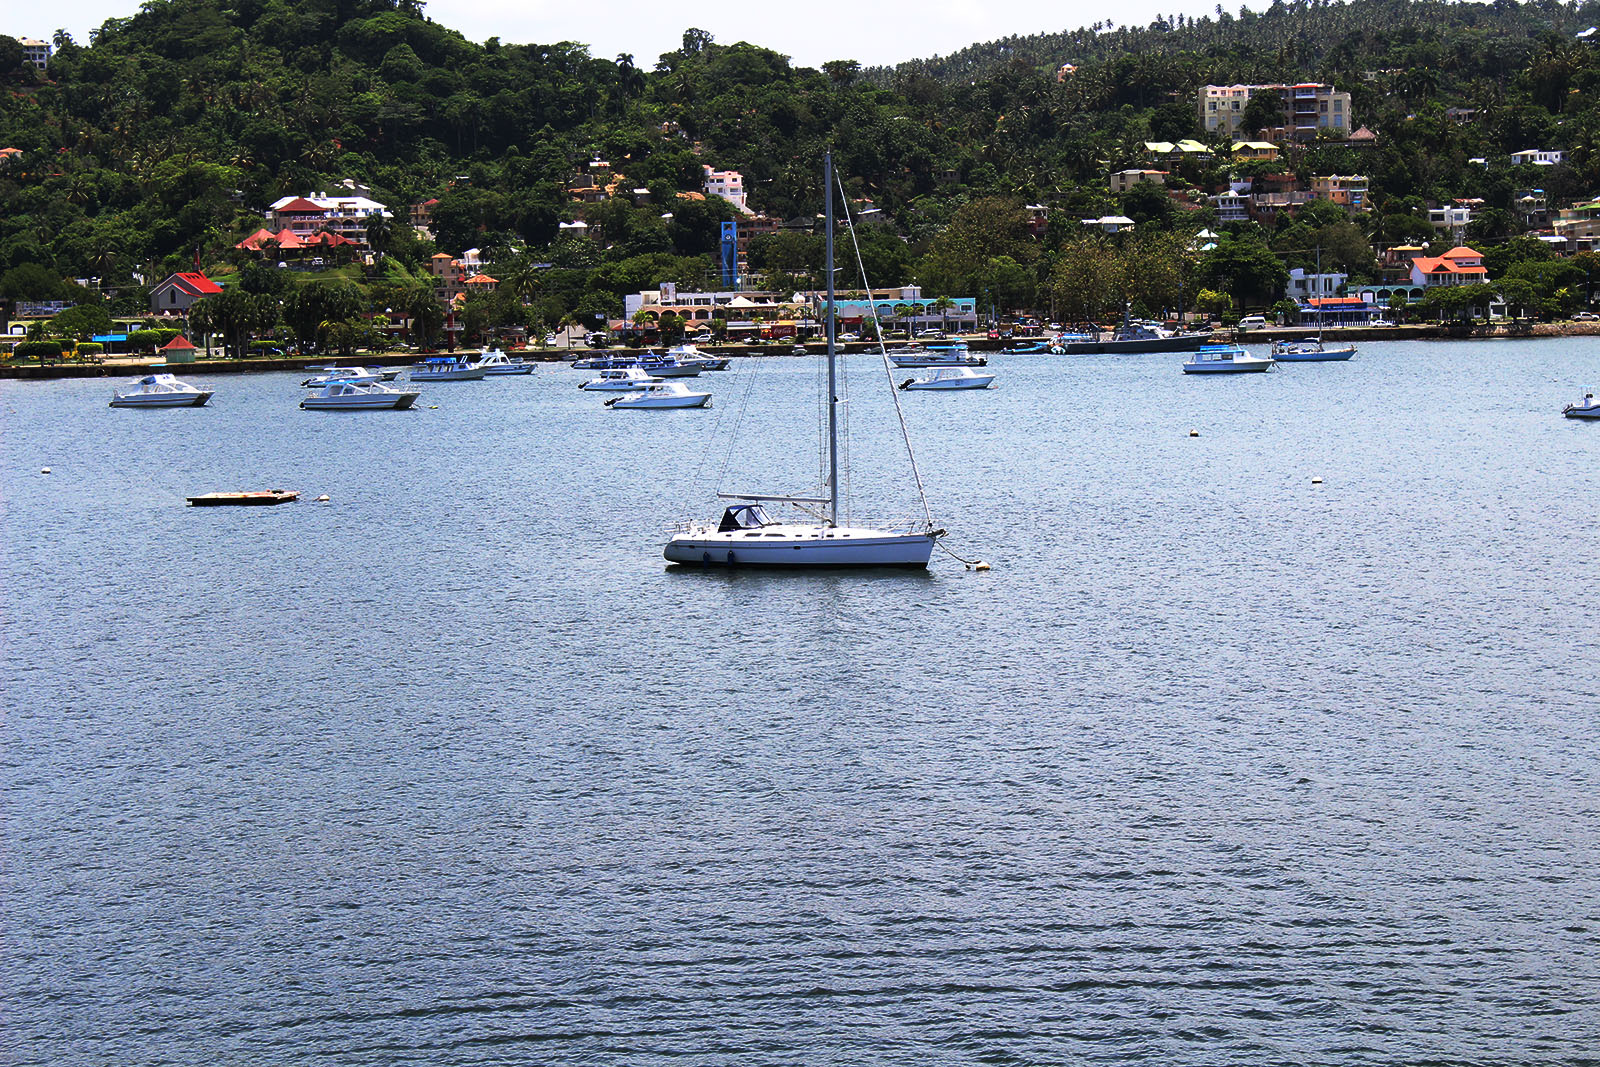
(1459, 266)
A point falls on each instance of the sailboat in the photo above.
(1312, 351)
(747, 535)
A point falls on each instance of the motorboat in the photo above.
(953, 355)
(667, 366)
(1225, 359)
(1587, 408)
(620, 380)
(664, 395)
(690, 355)
(605, 362)
(747, 534)
(358, 396)
(495, 362)
(1030, 348)
(951, 378)
(1310, 350)
(345, 374)
(161, 391)
(447, 369)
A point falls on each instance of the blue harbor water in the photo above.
(1215, 765)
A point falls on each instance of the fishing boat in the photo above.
(748, 535)
(447, 369)
(161, 391)
(1224, 359)
(950, 378)
(664, 395)
(358, 396)
(494, 363)
(1586, 408)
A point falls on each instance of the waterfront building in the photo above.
(1459, 266)
(1304, 285)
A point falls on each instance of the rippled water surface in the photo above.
(1216, 765)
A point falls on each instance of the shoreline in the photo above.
(124, 366)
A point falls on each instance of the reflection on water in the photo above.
(1215, 765)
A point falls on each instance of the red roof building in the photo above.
(1459, 266)
(178, 292)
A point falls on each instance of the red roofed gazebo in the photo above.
(178, 350)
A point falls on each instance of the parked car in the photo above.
(1586, 316)
(1253, 322)
(1380, 322)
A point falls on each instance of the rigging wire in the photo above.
(883, 351)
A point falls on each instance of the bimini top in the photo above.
(158, 379)
(744, 517)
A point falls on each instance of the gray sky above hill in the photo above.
(881, 32)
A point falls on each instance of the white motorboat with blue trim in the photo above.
(161, 391)
(747, 535)
(447, 369)
(345, 374)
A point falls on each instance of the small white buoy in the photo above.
(323, 499)
(1316, 481)
(44, 470)
(980, 566)
(433, 407)
(1194, 433)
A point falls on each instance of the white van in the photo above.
(1253, 322)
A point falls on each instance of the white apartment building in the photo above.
(1303, 285)
(36, 52)
(1304, 109)
(728, 184)
(346, 216)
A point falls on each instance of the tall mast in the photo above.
(833, 391)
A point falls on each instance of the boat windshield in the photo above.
(744, 517)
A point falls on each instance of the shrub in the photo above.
(91, 348)
(41, 350)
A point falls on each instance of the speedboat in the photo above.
(1224, 359)
(358, 396)
(345, 374)
(950, 378)
(664, 395)
(161, 391)
(496, 362)
(446, 369)
(1030, 348)
(1311, 350)
(1587, 408)
(620, 380)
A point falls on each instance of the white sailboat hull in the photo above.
(799, 546)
